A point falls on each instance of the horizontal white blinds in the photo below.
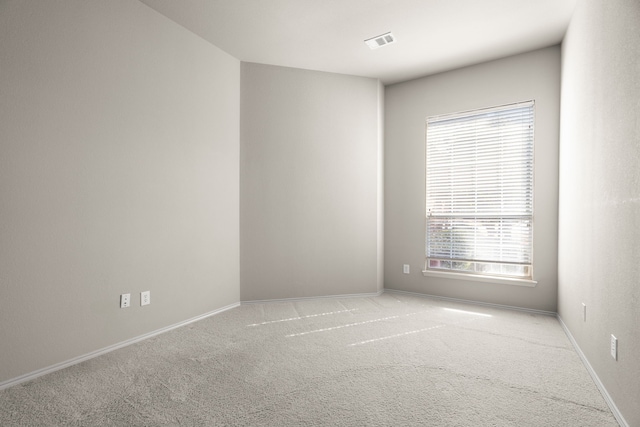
(480, 186)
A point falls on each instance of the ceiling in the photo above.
(328, 35)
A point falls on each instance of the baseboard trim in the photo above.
(594, 376)
(49, 369)
(465, 301)
(372, 294)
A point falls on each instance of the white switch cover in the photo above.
(145, 298)
(125, 300)
(405, 269)
(614, 347)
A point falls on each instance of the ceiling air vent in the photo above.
(381, 40)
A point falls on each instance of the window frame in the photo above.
(520, 280)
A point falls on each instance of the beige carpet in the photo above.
(392, 360)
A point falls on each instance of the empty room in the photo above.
(320, 213)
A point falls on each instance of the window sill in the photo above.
(477, 278)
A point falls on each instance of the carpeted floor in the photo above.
(392, 360)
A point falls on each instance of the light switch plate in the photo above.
(145, 298)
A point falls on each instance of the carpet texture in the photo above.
(392, 360)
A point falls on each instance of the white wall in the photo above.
(599, 250)
(310, 145)
(534, 75)
(119, 154)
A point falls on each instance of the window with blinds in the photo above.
(479, 213)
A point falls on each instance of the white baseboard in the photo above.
(372, 294)
(594, 376)
(464, 301)
(49, 369)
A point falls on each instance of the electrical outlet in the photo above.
(584, 312)
(614, 347)
(145, 298)
(406, 269)
(125, 300)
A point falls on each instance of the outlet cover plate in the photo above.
(125, 300)
(614, 347)
(406, 269)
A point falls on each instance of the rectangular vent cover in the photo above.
(381, 40)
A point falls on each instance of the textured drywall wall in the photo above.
(534, 75)
(599, 240)
(309, 183)
(119, 172)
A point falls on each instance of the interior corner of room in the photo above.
(135, 155)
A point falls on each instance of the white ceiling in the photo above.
(328, 35)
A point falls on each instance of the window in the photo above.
(479, 192)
